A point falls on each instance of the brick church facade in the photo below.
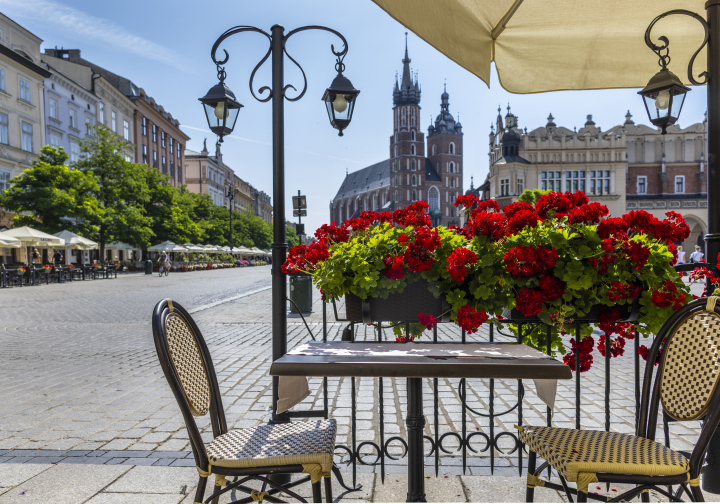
(412, 173)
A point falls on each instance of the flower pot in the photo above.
(402, 307)
(629, 312)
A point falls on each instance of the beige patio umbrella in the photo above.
(9, 242)
(257, 251)
(540, 46)
(194, 248)
(168, 246)
(30, 237)
(75, 241)
(119, 246)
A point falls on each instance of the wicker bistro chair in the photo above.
(685, 385)
(249, 454)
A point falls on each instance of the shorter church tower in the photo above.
(445, 149)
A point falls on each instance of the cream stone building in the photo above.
(22, 107)
(626, 167)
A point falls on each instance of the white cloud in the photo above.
(83, 25)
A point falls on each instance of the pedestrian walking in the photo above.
(57, 257)
(697, 255)
(35, 256)
(680, 255)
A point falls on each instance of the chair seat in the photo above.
(578, 455)
(311, 442)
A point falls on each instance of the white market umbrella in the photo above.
(584, 45)
(75, 241)
(30, 237)
(9, 242)
(193, 248)
(168, 246)
(257, 251)
(242, 250)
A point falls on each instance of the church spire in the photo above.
(406, 78)
(408, 90)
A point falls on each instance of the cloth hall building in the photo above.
(410, 173)
(626, 167)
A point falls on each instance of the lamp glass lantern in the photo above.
(221, 109)
(663, 97)
(339, 100)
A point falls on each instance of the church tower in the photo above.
(445, 149)
(407, 144)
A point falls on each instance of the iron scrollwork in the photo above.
(662, 50)
(340, 55)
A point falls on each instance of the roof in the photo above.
(431, 174)
(366, 179)
(24, 61)
(511, 159)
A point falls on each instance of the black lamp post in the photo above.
(669, 93)
(231, 198)
(221, 109)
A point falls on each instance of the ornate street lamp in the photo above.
(665, 94)
(339, 99)
(221, 107)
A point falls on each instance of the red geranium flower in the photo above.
(522, 219)
(552, 288)
(522, 262)
(469, 319)
(457, 261)
(394, 267)
(529, 301)
(429, 321)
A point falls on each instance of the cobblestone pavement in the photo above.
(82, 385)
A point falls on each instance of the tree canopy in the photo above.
(104, 197)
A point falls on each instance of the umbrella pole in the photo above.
(712, 238)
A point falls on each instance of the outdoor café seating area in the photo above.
(29, 257)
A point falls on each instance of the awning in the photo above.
(540, 46)
(119, 246)
(30, 237)
(75, 241)
(168, 246)
(9, 242)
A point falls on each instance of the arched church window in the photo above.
(433, 198)
(414, 195)
(452, 148)
(397, 195)
(452, 168)
(434, 150)
(396, 151)
(412, 150)
(452, 182)
(412, 135)
(414, 180)
(412, 165)
(383, 199)
(374, 202)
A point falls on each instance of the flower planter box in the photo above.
(402, 307)
(628, 313)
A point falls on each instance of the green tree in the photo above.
(531, 195)
(122, 190)
(291, 236)
(169, 209)
(54, 196)
(259, 231)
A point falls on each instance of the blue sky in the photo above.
(164, 47)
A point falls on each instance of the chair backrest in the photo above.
(687, 378)
(189, 370)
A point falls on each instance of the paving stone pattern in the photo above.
(82, 384)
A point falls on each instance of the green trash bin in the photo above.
(301, 293)
(148, 267)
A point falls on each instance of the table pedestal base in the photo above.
(415, 422)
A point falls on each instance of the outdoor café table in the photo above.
(416, 361)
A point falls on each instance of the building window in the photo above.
(452, 182)
(433, 198)
(520, 186)
(73, 119)
(172, 169)
(154, 133)
(102, 113)
(414, 195)
(164, 166)
(4, 178)
(113, 124)
(27, 137)
(452, 148)
(177, 152)
(412, 165)
(88, 123)
(3, 128)
(504, 187)
(74, 151)
(575, 181)
(434, 150)
(396, 151)
(551, 181)
(680, 184)
(162, 138)
(451, 168)
(179, 173)
(126, 130)
(600, 182)
(55, 141)
(3, 88)
(144, 154)
(412, 150)
(53, 109)
(414, 181)
(24, 90)
(143, 125)
(642, 185)
(412, 135)
(171, 145)
(154, 159)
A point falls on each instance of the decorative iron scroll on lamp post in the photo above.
(222, 109)
(663, 97)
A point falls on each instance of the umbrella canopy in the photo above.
(30, 237)
(242, 250)
(585, 45)
(9, 242)
(119, 246)
(75, 241)
(194, 248)
(257, 251)
(168, 246)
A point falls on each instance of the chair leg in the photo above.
(530, 492)
(645, 496)
(581, 497)
(216, 500)
(328, 489)
(317, 492)
(697, 494)
(200, 492)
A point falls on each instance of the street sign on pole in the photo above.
(299, 213)
(300, 229)
(299, 201)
